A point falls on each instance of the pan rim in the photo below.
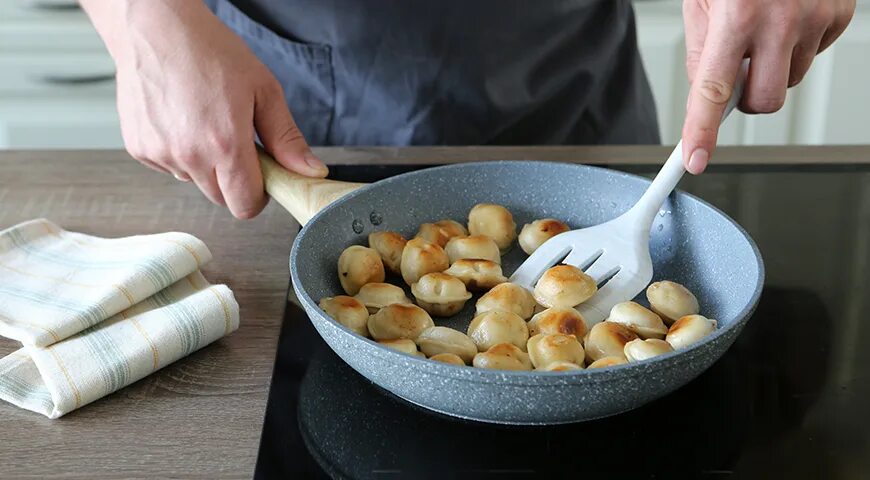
(514, 377)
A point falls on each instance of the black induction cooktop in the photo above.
(790, 399)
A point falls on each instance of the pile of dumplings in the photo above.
(513, 328)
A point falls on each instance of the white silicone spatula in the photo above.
(615, 252)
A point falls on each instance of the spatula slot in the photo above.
(585, 264)
(608, 276)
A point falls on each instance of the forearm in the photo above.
(125, 25)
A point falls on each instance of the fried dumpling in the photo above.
(509, 297)
(607, 362)
(403, 345)
(564, 286)
(558, 320)
(440, 294)
(547, 348)
(389, 246)
(437, 340)
(640, 320)
(534, 234)
(494, 221)
(420, 257)
(447, 358)
(453, 228)
(637, 350)
(477, 274)
(689, 329)
(504, 356)
(399, 321)
(671, 301)
(606, 339)
(347, 311)
(376, 296)
(498, 326)
(473, 247)
(358, 266)
(560, 367)
(441, 232)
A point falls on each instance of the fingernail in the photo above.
(698, 161)
(315, 164)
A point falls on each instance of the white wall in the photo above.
(828, 107)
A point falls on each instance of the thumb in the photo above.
(280, 135)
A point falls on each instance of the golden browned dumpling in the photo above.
(474, 246)
(607, 362)
(376, 296)
(560, 367)
(671, 301)
(453, 228)
(477, 274)
(689, 329)
(440, 294)
(347, 311)
(420, 257)
(504, 356)
(447, 358)
(558, 320)
(637, 350)
(433, 233)
(435, 340)
(509, 297)
(606, 339)
(403, 345)
(498, 326)
(534, 234)
(358, 266)
(399, 321)
(545, 349)
(640, 320)
(494, 221)
(564, 286)
(441, 232)
(389, 246)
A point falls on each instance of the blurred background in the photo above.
(57, 85)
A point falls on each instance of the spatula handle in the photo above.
(302, 196)
(673, 170)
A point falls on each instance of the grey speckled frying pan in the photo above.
(692, 243)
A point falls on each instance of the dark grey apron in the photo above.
(451, 72)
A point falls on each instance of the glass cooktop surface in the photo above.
(790, 399)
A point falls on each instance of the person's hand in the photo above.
(190, 95)
(781, 38)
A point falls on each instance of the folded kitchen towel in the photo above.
(95, 315)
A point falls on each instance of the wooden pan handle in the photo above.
(302, 196)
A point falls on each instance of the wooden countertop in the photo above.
(201, 417)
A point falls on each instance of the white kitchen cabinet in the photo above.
(58, 100)
(56, 89)
(59, 123)
(56, 79)
(828, 107)
(46, 26)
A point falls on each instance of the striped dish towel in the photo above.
(94, 315)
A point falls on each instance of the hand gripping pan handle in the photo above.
(302, 196)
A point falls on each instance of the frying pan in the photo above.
(691, 242)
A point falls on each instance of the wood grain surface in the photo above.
(202, 416)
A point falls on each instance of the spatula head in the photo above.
(615, 254)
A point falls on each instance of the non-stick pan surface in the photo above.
(692, 243)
